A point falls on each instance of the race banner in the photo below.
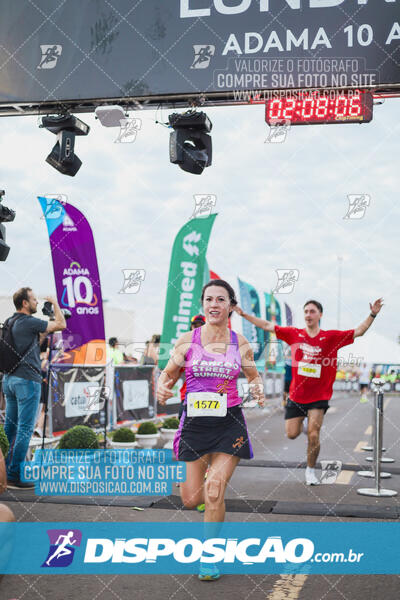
(289, 316)
(278, 314)
(274, 350)
(250, 303)
(149, 548)
(207, 274)
(206, 279)
(77, 282)
(195, 46)
(185, 281)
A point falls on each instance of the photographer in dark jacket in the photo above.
(22, 388)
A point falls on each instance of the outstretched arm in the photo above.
(261, 323)
(365, 325)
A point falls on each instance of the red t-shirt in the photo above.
(314, 361)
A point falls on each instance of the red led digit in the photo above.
(275, 109)
(355, 106)
(308, 108)
(288, 111)
(344, 107)
(341, 106)
(322, 107)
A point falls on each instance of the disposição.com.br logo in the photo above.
(62, 547)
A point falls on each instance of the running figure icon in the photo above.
(62, 549)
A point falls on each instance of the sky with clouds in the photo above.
(279, 205)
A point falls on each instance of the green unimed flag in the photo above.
(185, 282)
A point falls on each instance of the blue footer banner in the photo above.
(150, 548)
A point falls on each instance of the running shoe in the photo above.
(311, 478)
(363, 399)
(17, 484)
(208, 573)
(201, 507)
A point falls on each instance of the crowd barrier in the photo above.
(92, 395)
(89, 395)
(354, 386)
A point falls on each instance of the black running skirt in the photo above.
(197, 436)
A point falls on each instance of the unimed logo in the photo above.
(189, 550)
(62, 547)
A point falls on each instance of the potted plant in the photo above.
(123, 438)
(79, 437)
(4, 444)
(168, 429)
(147, 435)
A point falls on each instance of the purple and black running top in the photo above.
(206, 372)
(217, 373)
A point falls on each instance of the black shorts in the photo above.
(295, 409)
(197, 436)
(363, 386)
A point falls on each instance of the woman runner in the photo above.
(212, 430)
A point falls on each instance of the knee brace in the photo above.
(214, 489)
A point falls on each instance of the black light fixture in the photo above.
(6, 216)
(190, 146)
(66, 127)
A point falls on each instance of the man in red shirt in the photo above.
(314, 361)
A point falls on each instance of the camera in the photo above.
(48, 311)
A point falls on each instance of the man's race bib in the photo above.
(309, 370)
(206, 404)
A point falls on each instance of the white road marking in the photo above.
(287, 587)
(344, 477)
(359, 446)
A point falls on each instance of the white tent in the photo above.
(372, 348)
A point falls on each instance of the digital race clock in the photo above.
(320, 108)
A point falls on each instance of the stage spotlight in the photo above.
(66, 127)
(6, 216)
(190, 145)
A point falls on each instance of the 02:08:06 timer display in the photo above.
(321, 108)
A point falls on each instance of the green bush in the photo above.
(147, 428)
(79, 437)
(171, 423)
(124, 434)
(4, 445)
